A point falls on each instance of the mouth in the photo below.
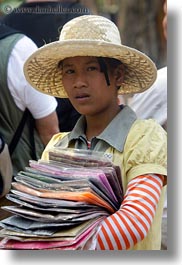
(82, 96)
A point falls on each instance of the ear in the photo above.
(119, 75)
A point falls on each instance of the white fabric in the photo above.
(39, 104)
(153, 102)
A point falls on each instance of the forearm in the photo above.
(131, 223)
(47, 127)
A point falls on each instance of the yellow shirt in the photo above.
(143, 151)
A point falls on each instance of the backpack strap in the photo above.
(31, 126)
(6, 31)
(19, 131)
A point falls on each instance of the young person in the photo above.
(91, 67)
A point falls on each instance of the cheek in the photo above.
(103, 96)
(67, 84)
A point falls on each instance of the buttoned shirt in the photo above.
(138, 147)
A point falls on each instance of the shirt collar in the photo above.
(114, 134)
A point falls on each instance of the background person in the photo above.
(17, 96)
(43, 25)
(153, 102)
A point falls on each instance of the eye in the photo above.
(68, 71)
(92, 68)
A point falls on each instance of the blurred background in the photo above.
(139, 21)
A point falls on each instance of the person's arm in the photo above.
(47, 127)
(131, 223)
(6, 170)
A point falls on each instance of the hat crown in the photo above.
(92, 28)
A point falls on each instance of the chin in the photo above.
(83, 110)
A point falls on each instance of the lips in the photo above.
(82, 96)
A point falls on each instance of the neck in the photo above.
(96, 124)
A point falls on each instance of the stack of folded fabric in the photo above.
(60, 203)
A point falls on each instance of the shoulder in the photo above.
(161, 82)
(145, 149)
(162, 72)
(24, 95)
(55, 140)
(146, 128)
(146, 124)
(146, 139)
(24, 48)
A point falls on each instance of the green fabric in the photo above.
(10, 114)
(117, 129)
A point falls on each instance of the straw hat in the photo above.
(88, 35)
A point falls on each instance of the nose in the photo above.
(80, 81)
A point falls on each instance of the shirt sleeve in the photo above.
(131, 223)
(24, 95)
(145, 150)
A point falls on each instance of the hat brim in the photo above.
(42, 72)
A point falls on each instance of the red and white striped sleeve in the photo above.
(131, 223)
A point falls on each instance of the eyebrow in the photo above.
(66, 65)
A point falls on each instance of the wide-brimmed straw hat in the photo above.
(88, 35)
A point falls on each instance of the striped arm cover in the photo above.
(131, 223)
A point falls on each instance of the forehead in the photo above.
(79, 59)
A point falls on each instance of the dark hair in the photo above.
(113, 63)
(104, 62)
(110, 61)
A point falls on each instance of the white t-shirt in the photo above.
(153, 102)
(24, 95)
